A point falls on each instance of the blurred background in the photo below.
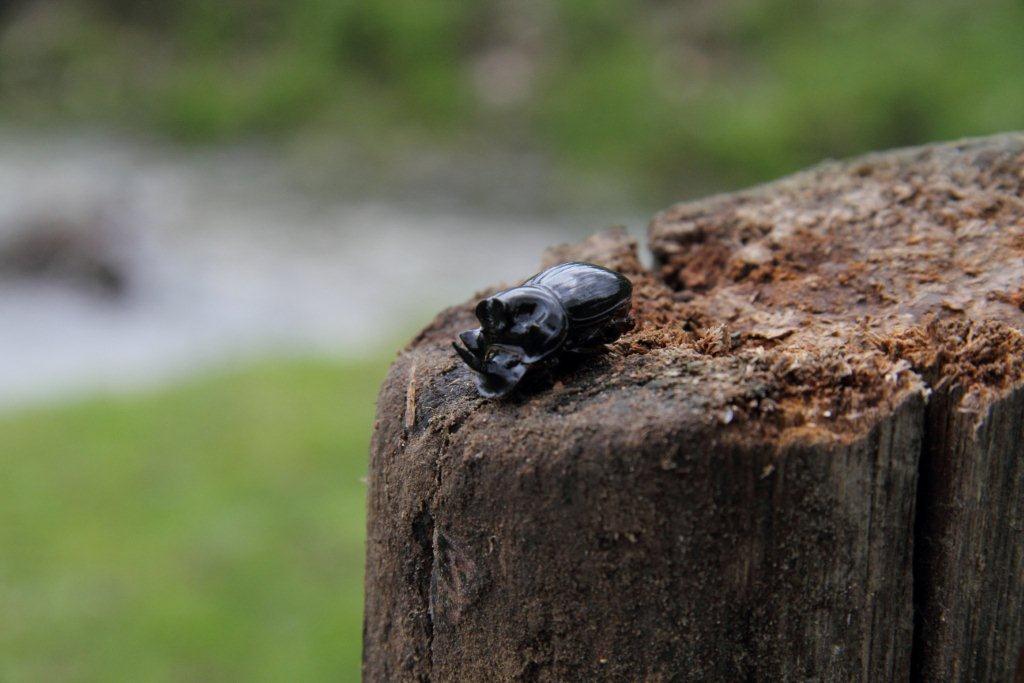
(220, 219)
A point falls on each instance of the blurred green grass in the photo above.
(209, 531)
(675, 98)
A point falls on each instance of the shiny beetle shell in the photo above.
(567, 308)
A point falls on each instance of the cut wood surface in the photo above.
(807, 460)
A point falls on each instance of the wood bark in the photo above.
(807, 461)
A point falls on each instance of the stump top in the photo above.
(798, 310)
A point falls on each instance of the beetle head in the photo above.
(518, 327)
(498, 367)
(530, 318)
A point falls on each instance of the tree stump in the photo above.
(807, 461)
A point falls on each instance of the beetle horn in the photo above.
(492, 314)
(472, 361)
(471, 340)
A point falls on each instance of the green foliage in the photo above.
(208, 532)
(674, 96)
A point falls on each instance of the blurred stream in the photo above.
(218, 257)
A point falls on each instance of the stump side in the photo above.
(970, 561)
(732, 490)
(598, 545)
(928, 242)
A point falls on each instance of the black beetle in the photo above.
(570, 307)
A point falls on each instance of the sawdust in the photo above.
(819, 300)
